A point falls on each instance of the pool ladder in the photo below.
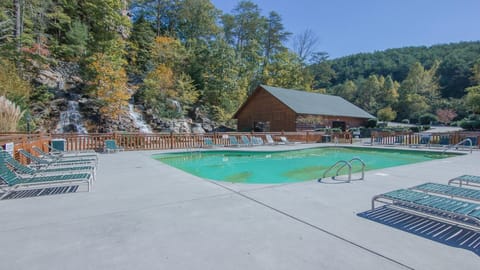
(349, 165)
(460, 143)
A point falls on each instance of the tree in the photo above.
(275, 36)
(304, 44)
(347, 90)
(386, 114)
(162, 14)
(197, 20)
(321, 70)
(446, 115)
(76, 40)
(286, 70)
(389, 92)
(224, 86)
(475, 78)
(109, 84)
(473, 98)
(367, 94)
(12, 85)
(427, 119)
(140, 47)
(418, 91)
(107, 24)
(168, 51)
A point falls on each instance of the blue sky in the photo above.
(345, 27)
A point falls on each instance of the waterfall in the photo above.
(71, 119)
(61, 83)
(176, 104)
(138, 120)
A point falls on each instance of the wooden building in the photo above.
(292, 110)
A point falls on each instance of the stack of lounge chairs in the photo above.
(46, 171)
(456, 205)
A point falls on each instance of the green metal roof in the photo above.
(303, 102)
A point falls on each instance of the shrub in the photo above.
(415, 129)
(386, 114)
(10, 115)
(427, 119)
(470, 124)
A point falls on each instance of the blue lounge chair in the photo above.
(469, 180)
(454, 211)
(111, 146)
(270, 140)
(257, 141)
(286, 141)
(208, 143)
(233, 141)
(245, 141)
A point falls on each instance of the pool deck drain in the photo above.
(143, 214)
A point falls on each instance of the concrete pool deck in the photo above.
(143, 214)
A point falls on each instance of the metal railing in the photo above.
(460, 143)
(349, 165)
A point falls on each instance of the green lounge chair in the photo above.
(56, 151)
(452, 191)
(469, 180)
(454, 211)
(25, 170)
(45, 155)
(111, 146)
(41, 162)
(16, 182)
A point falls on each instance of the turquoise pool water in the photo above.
(286, 166)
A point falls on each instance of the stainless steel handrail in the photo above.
(349, 165)
(350, 162)
(346, 163)
(463, 141)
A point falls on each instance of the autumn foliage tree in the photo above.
(167, 89)
(109, 84)
(446, 115)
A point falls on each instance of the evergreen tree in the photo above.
(140, 47)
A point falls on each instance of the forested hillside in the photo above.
(167, 52)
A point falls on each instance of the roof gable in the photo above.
(317, 104)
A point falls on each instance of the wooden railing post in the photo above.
(171, 139)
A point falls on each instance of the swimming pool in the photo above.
(268, 167)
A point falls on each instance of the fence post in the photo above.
(306, 136)
(171, 139)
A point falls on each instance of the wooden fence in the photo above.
(159, 141)
(435, 139)
(155, 141)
